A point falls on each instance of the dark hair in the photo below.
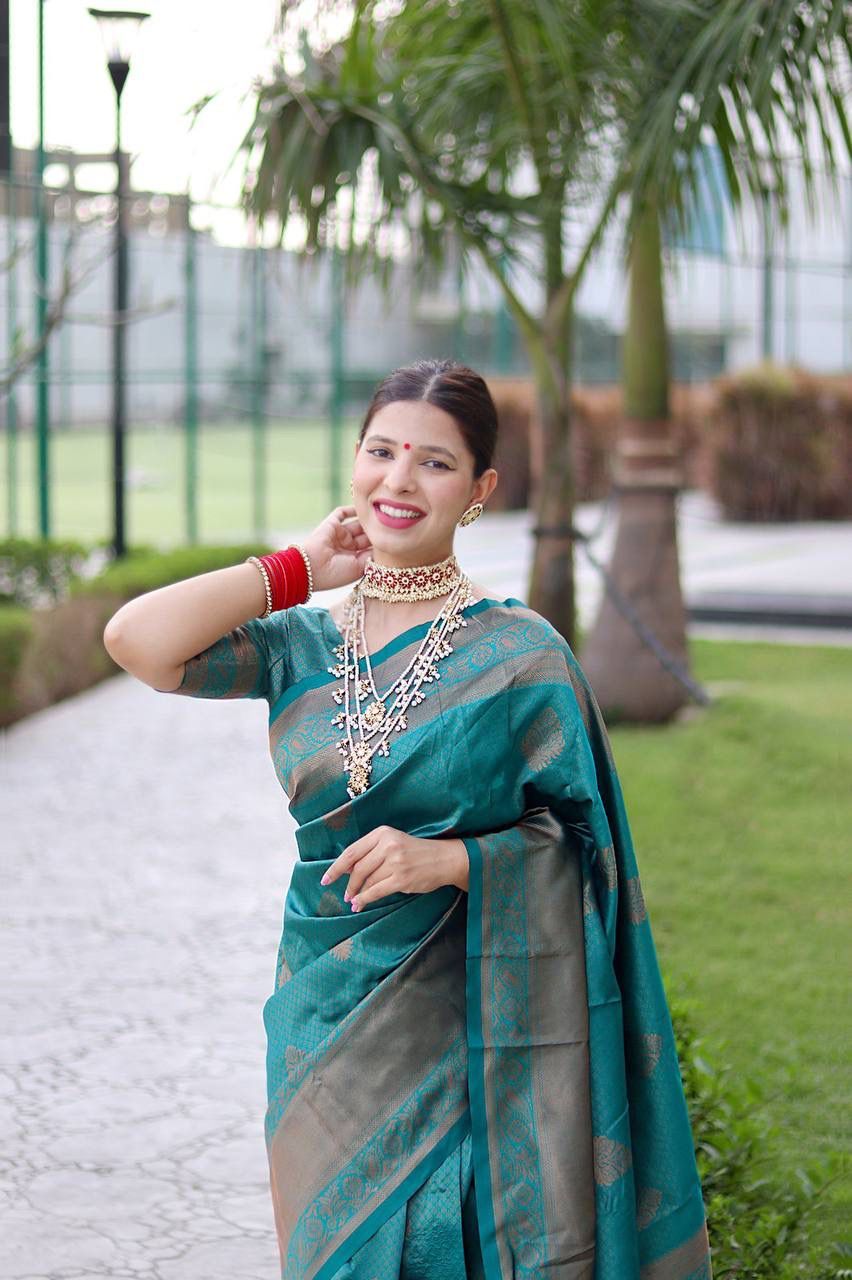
(453, 387)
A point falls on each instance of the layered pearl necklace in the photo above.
(382, 716)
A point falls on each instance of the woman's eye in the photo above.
(380, 450)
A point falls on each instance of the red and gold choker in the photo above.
(410, 582)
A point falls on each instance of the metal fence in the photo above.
(248, 366)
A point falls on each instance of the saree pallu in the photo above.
(479, 1084)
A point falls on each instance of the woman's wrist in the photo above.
(458, 863)
(287, 578)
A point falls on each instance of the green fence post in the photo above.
(12, 324)
(337, 375)
(41, 273)
(789, 303)
(460, 312)
(65, 349)
(767, 317)
(258, 397)
(190, 403)
(503, 328)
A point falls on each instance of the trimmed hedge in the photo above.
(16, 634)
(780, 445)
(50, 653)
(147, 569)
(34, 573)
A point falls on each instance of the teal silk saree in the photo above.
(480, 1084)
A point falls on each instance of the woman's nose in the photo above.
(402, 473)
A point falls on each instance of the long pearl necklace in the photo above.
(383, 717)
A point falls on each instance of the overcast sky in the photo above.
(186, 49)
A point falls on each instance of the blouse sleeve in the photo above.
(248, 662)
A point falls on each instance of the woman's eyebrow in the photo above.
(426, 448)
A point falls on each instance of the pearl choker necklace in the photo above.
(410, 582)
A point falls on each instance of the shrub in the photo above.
(16, 629)
(147, 569)
(38, 572)
(514, 399)
(519, 455)
(51, 653)
(780, 446)
(597, 413)
(757, 1220)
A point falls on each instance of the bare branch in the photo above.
(71, 283)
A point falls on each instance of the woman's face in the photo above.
(413, 455)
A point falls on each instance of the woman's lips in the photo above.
(394, 522)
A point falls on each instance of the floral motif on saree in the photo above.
(479, 1084)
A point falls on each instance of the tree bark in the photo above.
(551, 588)
(629, 680)
(552, 591)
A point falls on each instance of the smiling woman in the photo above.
(471, 1070)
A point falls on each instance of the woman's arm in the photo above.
(155, 634)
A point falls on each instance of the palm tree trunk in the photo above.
(627, 677)
(551, 589)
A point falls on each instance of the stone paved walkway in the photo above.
(147, 854)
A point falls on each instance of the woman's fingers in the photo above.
(361, 872)
(372, 892)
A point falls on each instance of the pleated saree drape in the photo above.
(479, 1084)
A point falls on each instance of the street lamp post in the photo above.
(119, 28)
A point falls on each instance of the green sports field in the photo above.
(295, 461)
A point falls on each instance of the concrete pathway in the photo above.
(147, 853)
(147, 850)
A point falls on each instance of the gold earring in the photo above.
(472, 513)
(351, 487)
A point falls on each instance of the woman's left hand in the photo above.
(386, 860)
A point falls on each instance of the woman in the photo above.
(471, 1066)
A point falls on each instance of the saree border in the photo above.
(386, 1208)
(387, 651)
(476, 1067)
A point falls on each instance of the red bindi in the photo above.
(406, 445)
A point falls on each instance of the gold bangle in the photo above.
(262, 567)
(304, 556)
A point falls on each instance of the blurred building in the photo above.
(273, 332)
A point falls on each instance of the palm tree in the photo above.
(452, 104)
(392, 93)
(787, 66)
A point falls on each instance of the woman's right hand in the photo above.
(338, 549)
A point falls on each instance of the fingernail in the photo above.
(324, 879)
(355, 905)
(345, 895)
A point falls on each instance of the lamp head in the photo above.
(119, 29)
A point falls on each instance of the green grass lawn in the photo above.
(741, 819)
(295, 463)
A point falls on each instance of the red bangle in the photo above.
(288, 577)
(278, 581)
